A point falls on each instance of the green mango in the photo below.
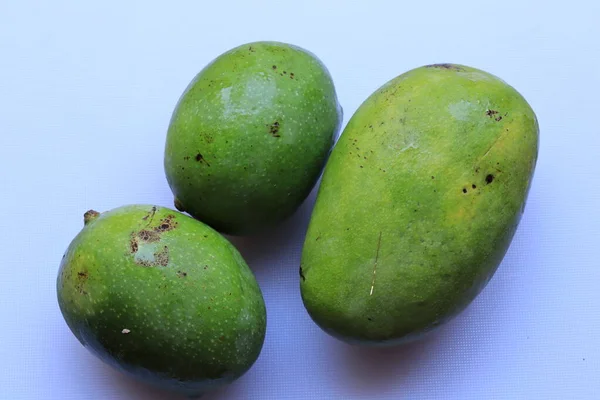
(418, 204)
(250, 135)
(163, 298)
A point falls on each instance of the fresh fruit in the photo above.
(250, 135)
(418, 204)
(163, 298)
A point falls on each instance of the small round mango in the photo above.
(163, 298)
(250, 135)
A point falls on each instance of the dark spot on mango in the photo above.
(161, 258)
(274, 129)
(302, 274)
(166, 224)
(491, 113)
(274, 66)
(464, 190)
(133, 245)
(474, 186)
(82, 277)
(148, 236)
(181, 274)
(489, 178)
(200, 158)
(445, 66)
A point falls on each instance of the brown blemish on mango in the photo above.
(82, 277)
(148, 236)
(166, 224)
(445, 66)
(161, 258)
(274, 129)
(200, 158)
(491, 113)
(133, 244)
(153, 235)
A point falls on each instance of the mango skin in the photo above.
(418, 204)
(162, 298)
(250, 136)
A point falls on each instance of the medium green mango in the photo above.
(418, 204)
(163, 298)
(250, 135)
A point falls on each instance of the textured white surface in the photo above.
(86, 92)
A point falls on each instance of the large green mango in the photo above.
(163, 298)
(418, 204)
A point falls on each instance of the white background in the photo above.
(86, 93)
